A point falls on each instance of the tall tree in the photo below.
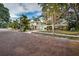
(24, 23)
(75, 8)
(4, 14)
(71, 14)
(14, 24)
(53, 11)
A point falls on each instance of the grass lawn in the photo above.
(72, 38)
(68, 32)
(65, 32)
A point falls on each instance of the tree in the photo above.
(75, 6)
(53, 11)
(73, 16)
(56, 11)
(24, 23)
(4, 15)
(14, 24)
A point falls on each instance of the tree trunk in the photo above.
(53, 18)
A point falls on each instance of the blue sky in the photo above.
(29, 9)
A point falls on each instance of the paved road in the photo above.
(30, 44)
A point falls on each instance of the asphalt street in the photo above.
(29, 44)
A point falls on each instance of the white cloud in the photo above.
(16, 8)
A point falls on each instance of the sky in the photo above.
(28, 9)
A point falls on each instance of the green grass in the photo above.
(74, 38)
(71, 38)
(65, 32)
(68, 32)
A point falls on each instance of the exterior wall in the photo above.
(37, 25)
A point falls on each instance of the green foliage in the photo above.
(14, 24)
(50, 8)
(68, 32)
(61, 9)
(24, 23)
(73, 17)
(4, 15)
(52, 11)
